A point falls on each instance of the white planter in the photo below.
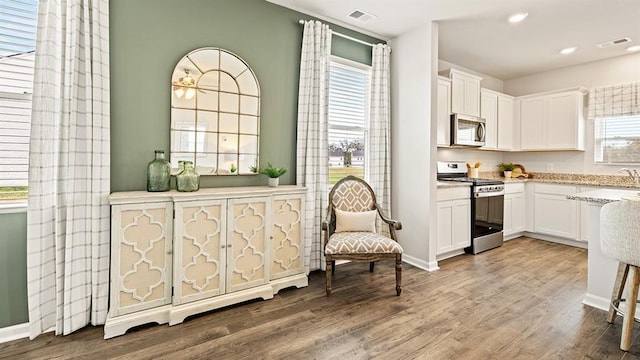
(273, 182)
(507, 174)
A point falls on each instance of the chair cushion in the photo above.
(355, 220)
(361, 243)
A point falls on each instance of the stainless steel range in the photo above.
(487, 206)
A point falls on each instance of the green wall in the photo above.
(13, 269)
(148, 38)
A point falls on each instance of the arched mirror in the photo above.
(215, 113)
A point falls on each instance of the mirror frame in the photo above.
(215, 113)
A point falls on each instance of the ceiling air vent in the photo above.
(613, 42)
(361, 16)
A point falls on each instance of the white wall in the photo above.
(620, 70)
(489, 160)
(413, 74)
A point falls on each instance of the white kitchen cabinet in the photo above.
(229, 245)
(465, 93)
(532, 124)
(489, 112)
(444, 112)
(554, 214)
(514, 209)
(506, 129)
(497, 109)
(454, 219)
(552, 121)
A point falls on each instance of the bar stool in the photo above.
(620, 240)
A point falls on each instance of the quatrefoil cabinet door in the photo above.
(141, 245)
(247, 242)
(200, 250)
(286, 236)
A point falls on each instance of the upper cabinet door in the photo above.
(465, 93)
(444, 112)
(489, 112)
(506, 131)
(562, 123)
(532, 124)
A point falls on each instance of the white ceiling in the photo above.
(475, 33)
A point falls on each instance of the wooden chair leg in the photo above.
(618, 288)
(398, 274)
(630, 311)
(371, 265)
(333, 266)
(330, 266)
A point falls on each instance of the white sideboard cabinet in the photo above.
(178, 254)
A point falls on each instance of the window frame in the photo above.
(600, 141)
(365, 69)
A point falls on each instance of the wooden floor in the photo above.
(521, 301)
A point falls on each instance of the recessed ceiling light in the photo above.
(634, 48)
(567, 51)
(516, 18)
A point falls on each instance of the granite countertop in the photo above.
(570, 179)
(604, 196)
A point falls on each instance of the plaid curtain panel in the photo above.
(69, 159)
(312, 153)
(379, 148)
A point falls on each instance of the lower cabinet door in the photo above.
(200, 259)
(141, 255)
(454, 225)
(247, 247)
(287, 243)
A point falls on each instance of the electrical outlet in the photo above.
(549, 166)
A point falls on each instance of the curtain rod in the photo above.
(344, 36)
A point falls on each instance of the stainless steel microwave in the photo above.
(467, 130)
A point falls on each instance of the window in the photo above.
(617, 140)
(17, 50)
(348, 118)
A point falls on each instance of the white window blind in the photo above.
(617, 140)
(616, 113)
(348, 117)
(17, 50)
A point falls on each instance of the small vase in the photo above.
(188, 179)
(273, 182)
(158, 173)
(507, 174)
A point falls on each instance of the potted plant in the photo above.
(506, 168)
(273, 173)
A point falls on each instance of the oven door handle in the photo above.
(488, 194)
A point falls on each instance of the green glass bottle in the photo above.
(158, 173)
(188, 180)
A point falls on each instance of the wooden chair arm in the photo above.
(325, 226)
(394, 224)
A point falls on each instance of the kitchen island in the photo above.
(601, 269)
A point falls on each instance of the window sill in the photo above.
(13, 206)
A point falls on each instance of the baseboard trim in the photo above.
(420, 264)
(597, 302)
(14, 332)
(580, 244)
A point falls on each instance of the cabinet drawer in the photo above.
(513, 188)
(555, 189)
(454, 193)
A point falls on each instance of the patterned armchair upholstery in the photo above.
(355, 195)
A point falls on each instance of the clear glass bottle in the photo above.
(158, 173)
(188, 180)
